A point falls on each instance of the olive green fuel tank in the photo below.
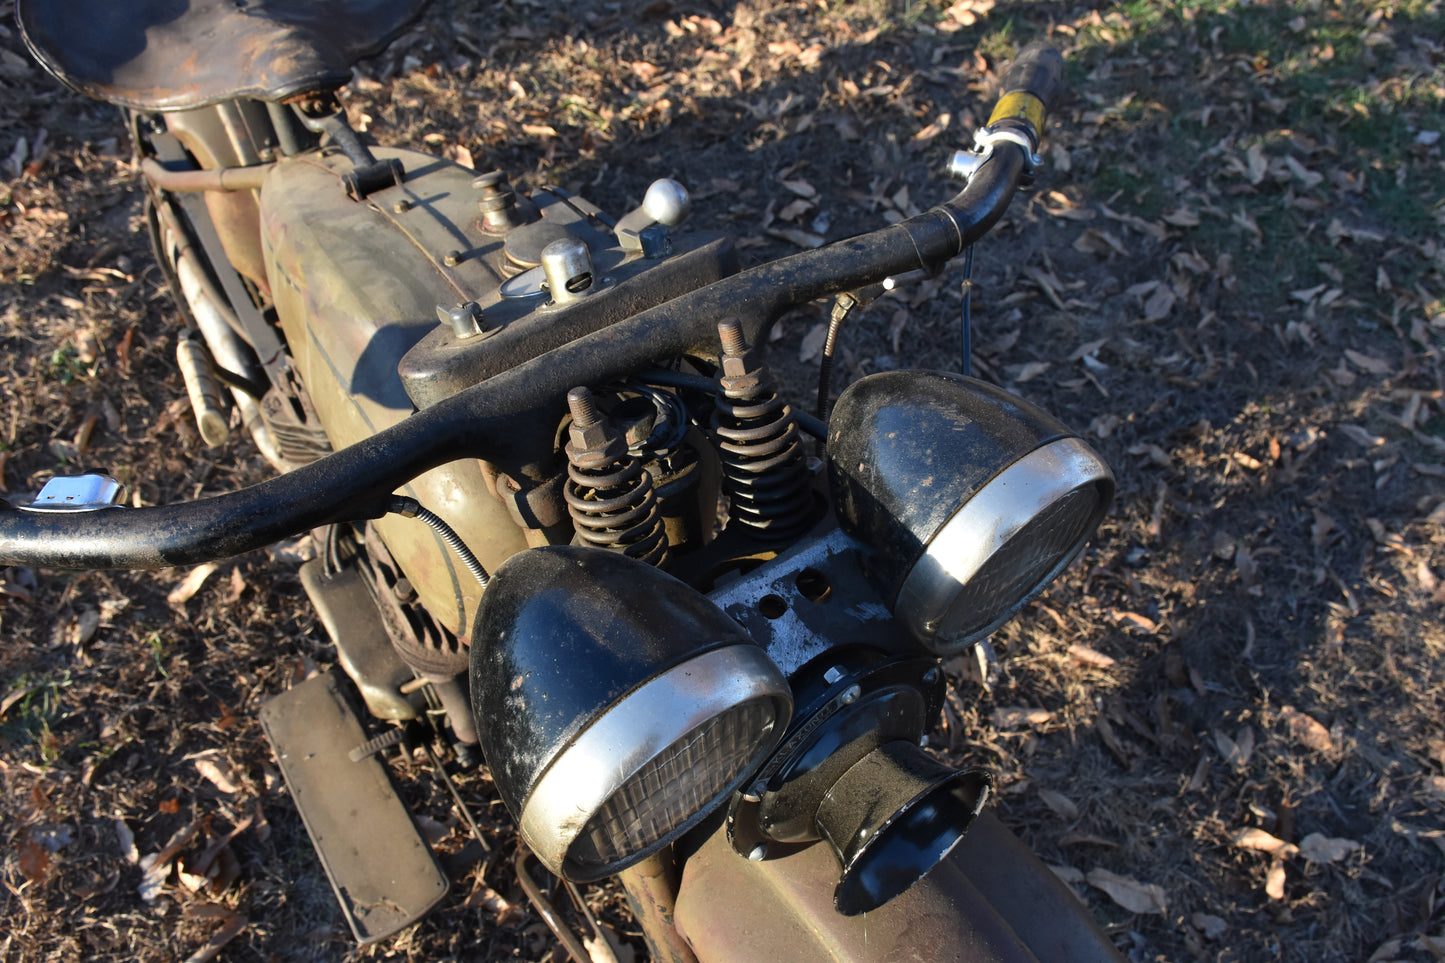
(356, 284)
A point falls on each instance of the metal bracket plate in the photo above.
(384, 873)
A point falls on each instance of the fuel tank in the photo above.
(361, 287)
(356, 284)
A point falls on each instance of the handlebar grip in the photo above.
(1030, 88)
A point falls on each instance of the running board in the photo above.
(384, 873)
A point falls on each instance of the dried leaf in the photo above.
(1031, 370)
(812, 344)
(1062, 805)
(803, 239)
(217, 770)
(1361, 437)
(1090, 657)
(1258, 163)
(1318, 848)
(230, 929)
(801, 187)
(1274, 880)
(1011, 717)
(1366, 363)
(1134, 896)
(1160, 303)
(1304, 730)
(1212, 927)
(192, 583)
(1258, 839)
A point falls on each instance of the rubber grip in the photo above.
(1031, 87)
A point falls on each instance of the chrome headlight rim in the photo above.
(605, 756)
(987, 523)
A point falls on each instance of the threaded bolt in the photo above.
(583, 407)
(733, 342)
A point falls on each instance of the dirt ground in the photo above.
(1223, 726)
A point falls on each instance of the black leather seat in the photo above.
(177, 54)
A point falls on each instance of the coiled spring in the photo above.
(615, 507)
(609, 494)
(757, 437)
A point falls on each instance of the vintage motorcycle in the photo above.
(511, 421)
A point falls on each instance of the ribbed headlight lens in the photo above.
(969, 499)
(617, 706)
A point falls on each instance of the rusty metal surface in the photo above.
(383, 872)
(651, 887)
(991, 901)
(175, 54)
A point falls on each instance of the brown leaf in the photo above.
(217, 770)
(801, 238)
(1366, 363)
(812, 344)
(192, 583)
(801, 187)
(1134, 896)
(1318, 848)
(1274, 880)
(1258, 163)
(1304, 730)
(1160, 303)
(1212, 927)
(1012, 717)
(1062, 805)
(1261, 841)
(1090, 657)
(232, 926)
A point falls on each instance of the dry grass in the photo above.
(1230, 275)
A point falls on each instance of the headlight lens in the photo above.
(617, 706)
(969, 500)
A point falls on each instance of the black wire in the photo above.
(967, 319)
(411, 508)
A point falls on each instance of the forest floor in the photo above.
(1224, 726)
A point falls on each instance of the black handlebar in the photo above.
(479, 421)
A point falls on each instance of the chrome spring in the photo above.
(615, 507)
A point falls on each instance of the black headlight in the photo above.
(969, 499)
(616, 706)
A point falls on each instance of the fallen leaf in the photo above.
(192, 583)
(1318, 848)
(1361, 437)
(1274, 880)
(1212, 927)
(1087, 656)
(231, 927)
(1160, 303)
(217, 770)
(812, 344)
(1258, 163)
(1068, 874)
(1261, 841)
(803, 239)
(1062, 805)
(1366, 363)
(1305, 730)
(1031, 370)
(1011, 717)
(801, 187)
(1134, 896)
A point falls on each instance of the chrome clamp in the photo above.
(965, 163)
